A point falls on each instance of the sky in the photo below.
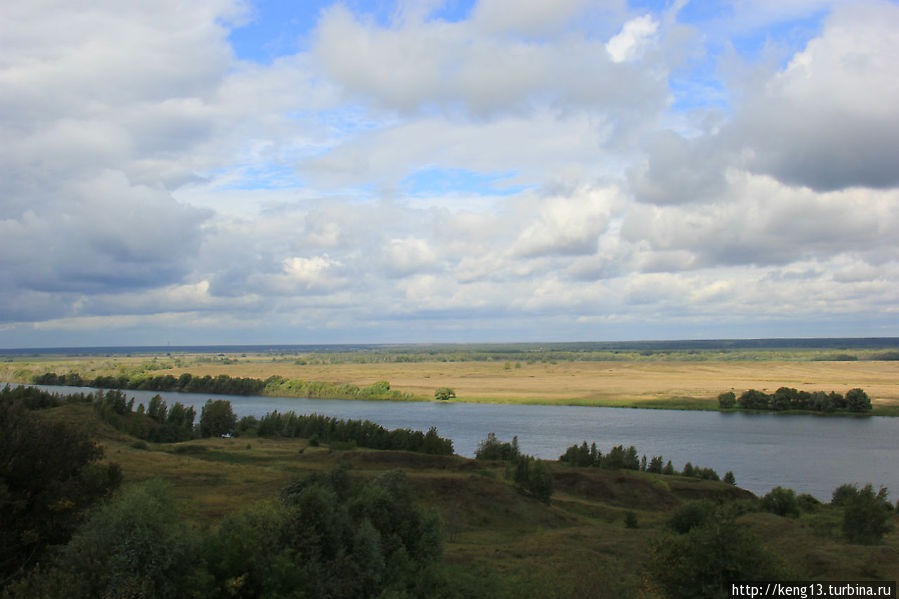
(274, 172)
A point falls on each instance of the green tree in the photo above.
(690, 515)
(49, 474)
(729, 478)
(157, 409)
(842, 494)
(865, 516)
(444, 394)
(492, 448)
(727, 400)
(754, 400)
(330, 537)
(136, 546)
(808, 503)
(857, 400)
(217, 418)
(784, 398)
(703, 562)
(782, 502)
(540, 481)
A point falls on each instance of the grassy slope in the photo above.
(577, 547)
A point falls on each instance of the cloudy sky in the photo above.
(273, 171)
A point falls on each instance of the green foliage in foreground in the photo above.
(49, 474)
(329, 537)
(865, 514)
(701, 559)
(782, 502)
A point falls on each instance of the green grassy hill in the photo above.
(504, 540)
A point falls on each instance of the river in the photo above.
(808, 453)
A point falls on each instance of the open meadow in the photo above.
(676, 381)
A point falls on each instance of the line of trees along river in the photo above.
(809, 453)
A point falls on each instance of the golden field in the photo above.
(691, 384)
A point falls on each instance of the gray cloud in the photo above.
(827, 120)
(150, 181)
(455, 65)
(766, 222)
(679, 171)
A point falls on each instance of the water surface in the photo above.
(808, 453)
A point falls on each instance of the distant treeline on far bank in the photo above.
(226, 385)
(787, 398)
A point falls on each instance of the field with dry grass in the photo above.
(647, 383)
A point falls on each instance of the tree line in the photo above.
(788, 398)
(159, 423)
(226, 385)
(186, 383)
(619, 458)
(361, 433)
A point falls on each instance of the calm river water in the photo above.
(810, 454)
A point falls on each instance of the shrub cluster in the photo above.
(787, 398)
(280, 386)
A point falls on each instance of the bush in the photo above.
(808, 503)
(782, 502)
(727, 400)
(865, 516)
(857, 400)
(444, 394)
(533, 476)
(630, 519)
(492, 448)
(706, 560)
(843, 493)
(135, 546)
(691, 515)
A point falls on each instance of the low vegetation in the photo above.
(111, 515)
(226, 385)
